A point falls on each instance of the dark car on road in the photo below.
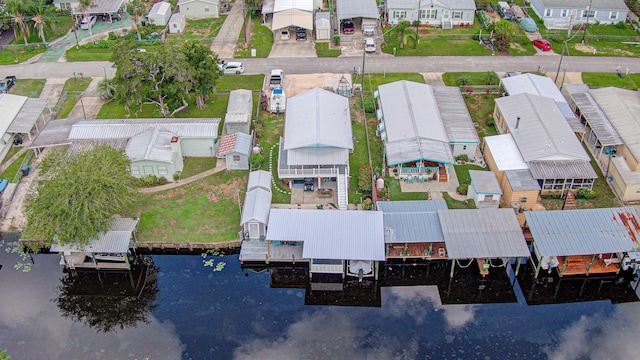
(301, 34)
(7, 83)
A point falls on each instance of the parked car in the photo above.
(284, 34)
(369, 45)
(348, 27)
(88, 22)
(308, 184)
(7, 83)
(231, 68)
(542, 44)
(301, 34)
(275, 78)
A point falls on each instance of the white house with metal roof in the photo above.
(199, 9)
(612, 118)
(437, 13)
(346, 242)
(543, 86)
(424, 128)
(488, 236)
(563, 14)
(160, 13)
(585, 241)
(317, 141)
(236, 149)
(412, 229)
(484, 189)
(545, 141)
(98, 7)
(285, 13)
(21, 116)
(106, 251)
(255, 213)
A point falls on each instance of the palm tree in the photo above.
(84, 9)
(39, 8)
(21, 24)
(400, 29)
(490, 77)
(137, 7)
(416, 24)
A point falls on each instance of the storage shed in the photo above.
(323, 26)
(255, 213)
(238, 117)
(177, 23)
(484, 189)
(236, 148)
(160, 13)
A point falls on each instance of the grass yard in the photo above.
(14, 150)
(202, 29)
(10, 172)
(606, 40)
(269, 128)
(56, 26)
(472, 78)
(462, 172)
(76, 84)
(66, 104)
(435, 42)
(84, 54)
(261, 39)
(455, 204)
(203, 211)
(396, 194)
(360, 155)
(481, 111)
(28, 87)
(10, 55)
(233, 82)
(322, 50)
(215, 107)
(197, 165)
(372, 81)
(594, 80)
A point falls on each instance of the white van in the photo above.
(369, 30)
(369, 45)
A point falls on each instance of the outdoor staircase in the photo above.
(443, 174)
(343, 191)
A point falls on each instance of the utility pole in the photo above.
(584, 34)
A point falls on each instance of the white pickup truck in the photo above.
(276, 78)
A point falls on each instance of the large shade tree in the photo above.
(204, 70)
(78, 194)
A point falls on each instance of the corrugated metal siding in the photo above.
(343, 235)
(28, 115)
(318, 156)
(482, 233)
(259, 178)
(197, 147)
(583, 232)
(596, 119)
(562, 170)
(112, 129)
(411, 206)
(450, 4)
(114, 241)
(597, 5)
(257, 204)
(154, 145)
(412, 221)
(455, 115)
(317, 118)
(10, 106)
(622, 108)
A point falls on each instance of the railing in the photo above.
(418, 171)
(289, 173)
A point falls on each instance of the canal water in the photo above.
(173, 307)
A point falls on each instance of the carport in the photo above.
(297, 13)
(352, 9)
(32, 117)
(104, 9)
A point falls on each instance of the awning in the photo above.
(292, 17)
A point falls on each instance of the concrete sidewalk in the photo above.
(225, 42)
(221, 165)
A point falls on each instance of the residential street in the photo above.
(378, 64)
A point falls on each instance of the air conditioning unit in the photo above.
(515, 205)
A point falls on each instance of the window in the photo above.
(638, 191)
(135, 171)
(457, 15)
(488, 197)
(548, 12)
(564, 13)
(327, 262)
(428, 14)
(588, 13)
(464, 147)
(613, 15)
(523, 200)
(162, 170)
(206, 9)
(236, 158)
(399, 14)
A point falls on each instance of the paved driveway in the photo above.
(293, 48)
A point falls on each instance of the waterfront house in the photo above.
(612, 118)
(543, 86)
(235, 149)
(239, 108)
(21, 117)
(424, 128)
(106, 251)
(199, 9)
(348, 243)
(546, 142)
(412, 229)
(562, 14)
(484, 189)
(583, 242)
(317, 142)
(488, 237)
(436, 13)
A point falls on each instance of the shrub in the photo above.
(367, 204)
(587, 194)
(176, 176)
(369, 105)
(148, 180)
(364, 180)
(490, 122)
(162, 180)
(463, 189)
(256, 160)
(336, 40)
(112, 36)
(621, 25)
(463, 157)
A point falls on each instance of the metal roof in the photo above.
(412, 221)
(622, 108)
(482, 233)
(484, 182)
(267, 6)
(115, 241)
(413, 124)
(28, 115)
(181, 2)
(176, 17)
(100, 6)
(348, 9)
(10, 106)
(328, 234)
(629, 177)
(597, 120)
(235, 143)
(54, 133)
(160, 8)
(455, 115)
(584, 232)
(113, 129)
(521, 180)
(240, 102)
(532, 84)
(282, 5)
(505, 152)
(259, 178)
(441, 4)
(318, 156)
(153, 144)
(257, 204)
(317, 118)
(583, 4)
(79, 146)
(542, 133)
(323, 20)
(562, 170)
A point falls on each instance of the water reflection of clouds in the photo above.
(31, 324)
(404, 300)
(598, 337)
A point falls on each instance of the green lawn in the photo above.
(10, 172)
(76, 84)
(204, 211)
(481, 110)
(473, 78)
(372, 81)
(197, 165)
(66, 104)
(435, 42)
(268, 129)
(203, 29)
(607, 40)
(10, 55)
(233, 82)
(322, 50)
(28, 87)
(215, 107)
(462, 172)
(455, 204)
(84, 54)
(56, 26)
(396, 194)
(261, 39)
(631, 81)
(11, 152)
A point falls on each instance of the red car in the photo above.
(348, 27)
(542, 44)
